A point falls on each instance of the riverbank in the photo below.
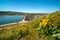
(6, 26)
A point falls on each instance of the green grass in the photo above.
(38, 29)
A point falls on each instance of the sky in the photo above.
(31, 6)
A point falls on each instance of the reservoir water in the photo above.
(4, 19)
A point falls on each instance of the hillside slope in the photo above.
(38, 29)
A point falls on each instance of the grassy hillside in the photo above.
(38, 29)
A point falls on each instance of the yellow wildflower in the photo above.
(44, 22)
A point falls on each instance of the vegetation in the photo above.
(43, 28)
(19, 13)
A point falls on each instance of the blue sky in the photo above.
(32, 6)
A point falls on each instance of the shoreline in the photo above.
(12, 24)
(8, 24)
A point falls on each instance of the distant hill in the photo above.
(17, 13)
(10, 13)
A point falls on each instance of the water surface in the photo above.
(4, 19)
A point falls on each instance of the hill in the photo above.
(18, 13)
(38, 29)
